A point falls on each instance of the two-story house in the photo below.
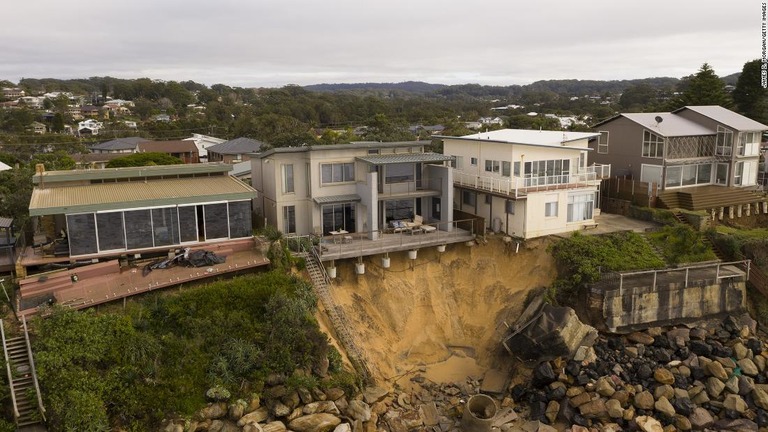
(526, 183)
(358, 187)
(689, 150)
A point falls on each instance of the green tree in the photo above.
(703, 88)
(640, 97)
(144, 159)
(750, 96)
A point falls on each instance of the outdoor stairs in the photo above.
(704, 198)
(25, 392)
(321, 284)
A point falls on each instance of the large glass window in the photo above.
(724, 142)
(580, 207)
(188, 224)
(543, 172)
(337, 173)
(240, 219)
(216, 221)
(506, 169)
(110, 231)
(289, 219)
(165, 226)
(653, 145)
(749, 144)
(602, 142)
(288, 178)
(400, 173)
(138, 225)
(81, 233)
(338, 217)
(399, 210)
(688, 175)
(550, 207)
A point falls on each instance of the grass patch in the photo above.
(681, 244)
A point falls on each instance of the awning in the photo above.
(333, 199)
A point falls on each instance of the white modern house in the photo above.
(355, 188)
(526, 183)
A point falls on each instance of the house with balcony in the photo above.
(700, 157)
(379, 197)
(526, 183)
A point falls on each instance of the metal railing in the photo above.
(518, 186)
(361, 244)
(744, 264)
(32, 367)
(410, 187)
(8, 371)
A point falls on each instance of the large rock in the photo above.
(714, 386)
(700, 419)
(257, 416)
(213, 411)
(322, 422)
(275, 426)
(663, 376)
(748, 367)
(593, 409)
(760, 397)
(716, 370)
(327, 406)
(664, 406)
(334, 393)
(360, 410)
(374, 394)
(643, 400)
(641, 338)
(648, 424)
(614, 408)
(344, 427)
(735, 403)
(428, 412)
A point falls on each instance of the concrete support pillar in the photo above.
(730, 212)
(749, 209)
(765, 206)
(720, 214)
(738, 210)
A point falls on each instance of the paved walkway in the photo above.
(608, 223)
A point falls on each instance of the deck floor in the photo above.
(357, 245)
(131, 281)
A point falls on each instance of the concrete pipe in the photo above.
(478, 414)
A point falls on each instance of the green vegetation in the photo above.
(144, 159)
(680, 244)
(581, 258)
(130, 370)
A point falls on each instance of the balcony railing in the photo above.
(410, 187)
(519, 186)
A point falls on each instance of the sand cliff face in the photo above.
(440, 306)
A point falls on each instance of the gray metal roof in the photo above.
(337, 199)
(352, 145)
(6, 222)
(237, 146)
(128, 195)
(726, 117)
(241, 168)
(671, 125)
(404, 158)
(130, 172)
(127, 143)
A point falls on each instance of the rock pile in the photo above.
(425, 406)
(676, 379)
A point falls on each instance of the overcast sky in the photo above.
(270, 43)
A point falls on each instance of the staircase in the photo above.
(28, 407)
(321, 282)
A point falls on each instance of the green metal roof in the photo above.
(404, 158)
(50, 177)
(337, 199)
(127, 195)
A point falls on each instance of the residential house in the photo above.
(234, 151)
(119, 145)
(693, 150)
(111, 212)
(39, 128)
(90, 111)
(165, 118)
(354, 188)
(203, 142)
(184, 150)
(491, 121)
(94, 160)
(12, 92)
(89, 127)
(526, 183)
(35, 102)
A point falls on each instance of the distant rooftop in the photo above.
(529, 137)
(237, 146)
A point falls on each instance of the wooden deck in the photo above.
(107, 281)
(708, 197)
(357, 245)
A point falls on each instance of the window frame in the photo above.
(289, 182)
(602, 144)
(653, 145)
(343, 167)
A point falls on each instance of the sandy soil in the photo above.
(442, 314)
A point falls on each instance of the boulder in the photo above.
(648, 424)
(344, 427)
(714, 386)
(213, 411)
(614, 408)
(281, 410)
(700, 419)
(257, 416)
(664, 406)
(275, 426)
(373, 394)
(748, 367)
(640, 338)
(428, 412)
(327, 406)
(682, 423)
(663, 376)
(553, 408)
(735, 403)
(760, 397)
(716, 369)
(321, 422)
(335, 393)
(643, 400)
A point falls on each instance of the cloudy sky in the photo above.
(269, 43)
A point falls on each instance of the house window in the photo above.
(653, 145)
(510, 207)
(289, 219)
(550, 207)
(288, 178)
(749, 144)
(468, 198)
(724, 141)
(488, 199)
(602, 142)
(400, 173)
(457, 162)
(517, 169)
(547, 172)
(338, 216)
(337, 173)
(492, 166)
(580, 207)
(745, 173)
(373, 151)
(473, 161)
(506, 169)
